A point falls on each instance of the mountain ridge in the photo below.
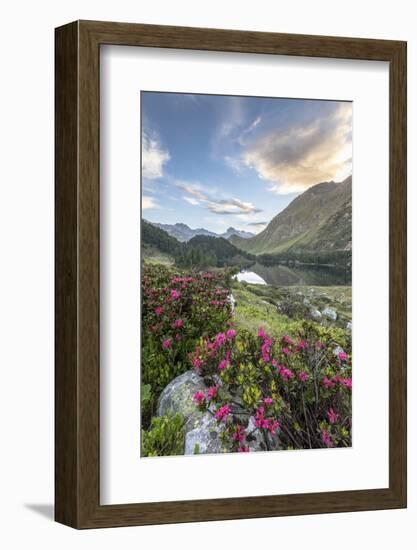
(319, 219)
(183, 233)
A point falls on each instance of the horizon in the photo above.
(216, 162)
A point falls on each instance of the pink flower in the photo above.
(222, 413)
(265, 349)
(347, 382)
(175, 294)
(274, 363)
(332, 416)
(220, 338)
(243, 449)
(197, 363)
(287, 340)
(159, 310)
(268, 400)
(326, 438)
(212, 392)
(343, 356)
(302, 344)
(319, 345)
(273, 426)
(261, 333)
(166, 343)
(224, 363)
(199, 397)
(238, 434)
(303, 376)
(259, 417)
(231, 333)
(285, 373)
(285, 351)
(327, 383)
(178, 323)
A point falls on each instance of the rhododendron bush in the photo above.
(177, 310)
(286, 393)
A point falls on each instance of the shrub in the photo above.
(291, 394)
(176, 311)
(165, 437)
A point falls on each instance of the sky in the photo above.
(217, 161)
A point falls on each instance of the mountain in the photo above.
(157, 238)
(184, 233)
(232, 231)
(215, 251)
(320, 219)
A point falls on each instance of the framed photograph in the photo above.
(230, 274)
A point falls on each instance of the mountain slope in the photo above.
(319, 219)
(157, 238)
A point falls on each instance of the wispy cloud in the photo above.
(235, 163)
(298, 157)
(197, 195)
(154, 157)
(258, 224)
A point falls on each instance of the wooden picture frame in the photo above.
(77, 382)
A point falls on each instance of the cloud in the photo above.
(298, 157)
(148, 202)
(153, 156)
(197, 195)
(256, 224)
(235, 163)
(192, 201)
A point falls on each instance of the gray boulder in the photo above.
(205, 437)
(315, 314)
(349, 326)
(330, 313)
(202, 430)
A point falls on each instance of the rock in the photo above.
(349, 326)
(205, 438)
(315, 314)
(177, 397)
(306, 302)
(256, 443)
(232, 301)
(201, 428)
(330, 313)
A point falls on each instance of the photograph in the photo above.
(246, 271)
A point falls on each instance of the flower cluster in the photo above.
(177, 311)
(288, 393)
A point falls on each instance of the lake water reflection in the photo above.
(283, 275)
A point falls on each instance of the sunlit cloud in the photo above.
(148, 202)
(298, 157)
(154, 157)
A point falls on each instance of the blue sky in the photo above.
(220, 161)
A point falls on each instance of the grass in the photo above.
(252, 312)
(152, 255)
(256, 305)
